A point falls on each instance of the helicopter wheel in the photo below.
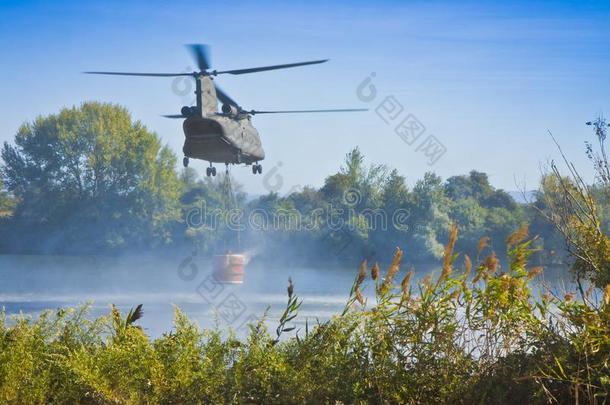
(256, 168)
(185, 161)
(259, 169)
(213, 170)
(208, 171)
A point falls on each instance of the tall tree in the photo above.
(90, 178)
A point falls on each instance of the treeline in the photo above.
(91, 180)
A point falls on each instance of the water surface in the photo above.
(31, 284)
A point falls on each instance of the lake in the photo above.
(31, 284)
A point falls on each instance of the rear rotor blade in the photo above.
(273, 67)
(254, 112)
(224, 97)
(174, 116)
(139, 74)
(200, 53)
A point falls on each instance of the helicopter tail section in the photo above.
(205, 92)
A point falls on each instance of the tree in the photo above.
(392, 228)
(88, 179)
(356, 180)
(7, 202)
(576, 209)
(430, 213)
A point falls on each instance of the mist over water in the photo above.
(31, 284)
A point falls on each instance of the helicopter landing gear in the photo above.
(185, 161)
(257, 168)
(210, 171)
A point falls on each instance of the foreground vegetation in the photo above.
(475, 333)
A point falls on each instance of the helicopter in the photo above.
(226, 136)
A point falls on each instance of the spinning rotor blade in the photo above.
(273, 67)
(200, 53)
(174, 116)
(254, 112)
(139, 74)
(224, 97)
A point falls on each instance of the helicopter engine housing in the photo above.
(188, 111)
(229, 109)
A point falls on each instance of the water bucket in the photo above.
(229, 268)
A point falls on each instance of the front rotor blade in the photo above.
(273, 67)
(174, 116)
(139, 74)
(200, 53)
(254, 112)
(224, 97)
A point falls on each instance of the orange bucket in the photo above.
(229, 268)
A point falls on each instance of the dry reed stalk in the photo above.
(491, 262)
(427, 280)
(404, 285)
(518, 236)
(359, 296)
(534, 272)
(467, 265)
(394, 267)
(375, 271)
(361, 273)
(483, 243)
(447, 259)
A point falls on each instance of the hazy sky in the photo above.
(486, 79)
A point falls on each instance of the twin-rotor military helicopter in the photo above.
(225, 136)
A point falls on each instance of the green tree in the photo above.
(354, 177)
(396, 207)
(430, 213)
(89, 178)
(353, 196)
(481, 210)
(7, 202)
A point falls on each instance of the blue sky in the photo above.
(486, 79)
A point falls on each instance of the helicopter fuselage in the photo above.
(222, 139)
